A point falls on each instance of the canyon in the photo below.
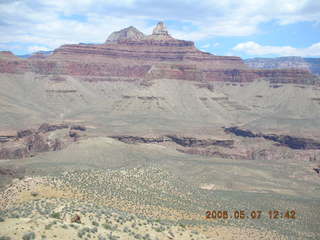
(133, 82)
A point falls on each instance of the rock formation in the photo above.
(130, 33)
(128, 54)
(28, 142)
(160, 29)
(160, 32)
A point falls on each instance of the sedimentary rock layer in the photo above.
(129, 54)
(310, 64)
(292, 142)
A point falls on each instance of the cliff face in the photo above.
(310, 64)
(130, 54)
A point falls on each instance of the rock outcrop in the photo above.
(160, 29)
(28, 142)
(160, 32)
(129, 55)
(127, 34)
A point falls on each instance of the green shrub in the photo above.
(147, 237)
(182, 225)
(29, 236)
(138, 236)
(5, 238)
(55, 215)
(160, 229)
(94, 223)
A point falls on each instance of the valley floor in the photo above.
(153, 191)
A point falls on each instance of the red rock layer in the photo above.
(148, 58)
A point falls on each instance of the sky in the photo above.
(245, 28)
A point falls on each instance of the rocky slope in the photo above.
(310, 64)
(129, 55)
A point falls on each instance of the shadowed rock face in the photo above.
(289, 141)
(7, 136)
(128, 54)
(193, 142)
(136, 139)
(45, 127)
(182, 141)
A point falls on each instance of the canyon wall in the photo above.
(128, 54)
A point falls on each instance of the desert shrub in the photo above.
(160, 229)
(112, 237)
(138, 236)
(34, 194)
(83, 231)
(1, 219)
(80, 234)
(55, 215)
(29, 236)
(5, 238)
(182, 225)
(147, 237)
(108, 226)
(73, 226)
(15, 215)
(94, 223)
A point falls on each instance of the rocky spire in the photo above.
(160, 32)
(160, 29)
